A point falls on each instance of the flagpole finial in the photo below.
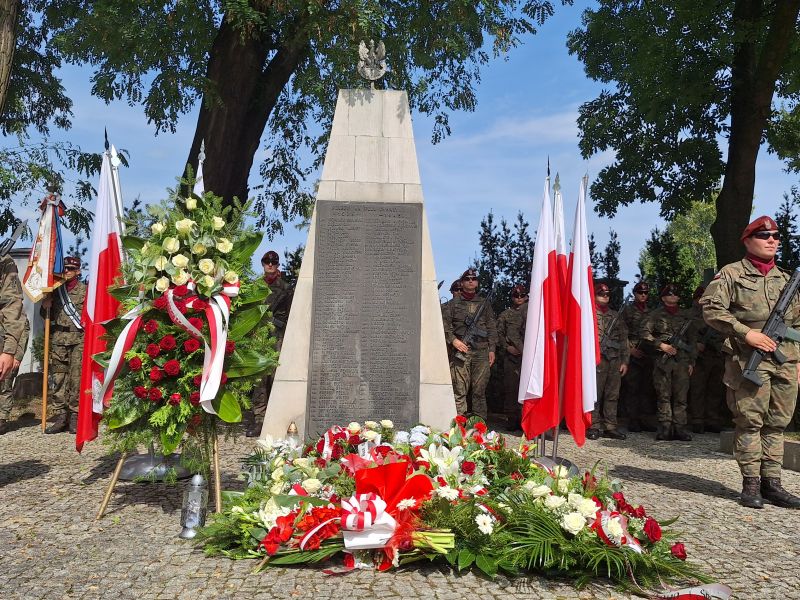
(105, 136)
(202, 156)
(557, 184)
(548, 165)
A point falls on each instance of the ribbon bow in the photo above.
(361, 511)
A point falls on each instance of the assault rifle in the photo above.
(474, 332)
(676, 341)
(7, 244)
(776, 329)
(606, 342)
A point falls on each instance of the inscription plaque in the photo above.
(365, 322)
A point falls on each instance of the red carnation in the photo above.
(155, 394)
(480, 428)
(197, 380)
(194, 398)
(180, 290)
(320, 445)
(652, 529)
(191, 345)
(156, 374)
(140, 391)
(196, 322)
(135, 363)
(678, 550)
(160, 303)
(461, 420)
(172, 367)
(468, 467)
(230, 346)
(151, 326)
(175, 399)
(153, 350)
(168, 342)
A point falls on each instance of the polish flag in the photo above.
(583, 348)
(538, 385)
(105, 268)
(560, 237)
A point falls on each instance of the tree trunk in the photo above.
(753, 83)
(9, 9)
(233, 116)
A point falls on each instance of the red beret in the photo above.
(271, 255)
(763, 223)
(601, 287)
(642, 286)
(670, 289)
(520, 290)
(468, 273)
(455, 286)
(72, 261)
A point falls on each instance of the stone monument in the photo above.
(364, 338)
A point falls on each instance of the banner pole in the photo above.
(111, 485)
(45, 366)
(561, 378)
(217, 476)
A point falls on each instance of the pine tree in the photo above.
(788, 257)
(594, 257)
(610, 257)
(291, 264)
(663, 261)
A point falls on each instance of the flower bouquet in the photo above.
(194, 332)
(380, 498)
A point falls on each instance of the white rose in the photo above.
(199, 249)
(277, 474)
(563, 486)
(162, 284)
(573, 522)
(370, 435)
(301, 463)
(180, 261)
(587, 508)
(191, 203)
(537, 491)
(387, 424)
(180, 277)
(277, 488)
(208, 281)
(206, 265)
(157, 228)
(561, 472)
(278, 462)
(371, 425)
(184, 226)
(354, 428)
(231, 277)
(217, 223)
(170, 245)
(224, 245)
(614, 529)
(312, 486)
(554, 502)
(161, 263)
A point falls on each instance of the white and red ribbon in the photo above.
(218, 314)
(601, 525)
(365, 522)
(124, 342)
(711, 591)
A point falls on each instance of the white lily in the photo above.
(447, 461)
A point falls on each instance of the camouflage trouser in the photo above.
(761, 414)
(638, 398)
(604, 415)
(511, 407)
(706, 390)
(260, 395)
(65, 365)
(7, 395)
(471, 377)
(671, 380)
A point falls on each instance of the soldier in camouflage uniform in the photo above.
(613, 336)
(13, 327)
(471, 375)
(66, 347)
(511, 336)
(738, 302)
(706, 390)
(279, 302)
(638, 388)
(673, 362)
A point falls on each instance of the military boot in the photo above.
(664, 432)
(73, 423)
(772, 490)
(4, 427)
(60, 424)
(681, 434)
(751, 495)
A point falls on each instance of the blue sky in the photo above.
(495, 158)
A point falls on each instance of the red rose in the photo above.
(678, 550)
(180, 290)
(194, 398)
(175, 399)
(224, 379)
(320, 445)
(155, 394)
(160, 303)
(156, 374)
(461, 420)
(168, 342)
(481, 427)
(639, 512)
(199, 305)
(172, 367)
(151, 326)
(135, 363)
(517, 476)
(230, 346)
(468, 467)
(191, 345)
(197, 380)
(320, 463)
(181, 306)
(354, 440)
(652, 529)
(153, 350)
(140, 391)
(196, 322)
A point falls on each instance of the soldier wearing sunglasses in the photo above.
(737, 302)
(511, 336)
(638, 395)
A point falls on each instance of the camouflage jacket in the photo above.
(279, 302)
(660, 326)
(12, 319)
(634, 318)
(64, 331)
(614, 343)
(454, 319)
(712, 339)
(511, 330)
(740, 298)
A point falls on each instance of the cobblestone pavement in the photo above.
(51, 547)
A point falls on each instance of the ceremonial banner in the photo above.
(46, 260)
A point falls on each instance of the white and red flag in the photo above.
(560, 236)
(46, 261)
(538, 385)
(105, 268)
(583, 349)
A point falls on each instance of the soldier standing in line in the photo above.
(66, 345)
(13, 326)
(706, 390)
(738, 302)
(279, 302)
(613, 336)
(638, 381)
(471, 374)
(667, 330)
(511, 337)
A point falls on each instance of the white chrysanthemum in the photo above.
(401, 437)
(555, 502)
(447, 492)
(574, 500)
(370, 435)
(573, 522)
(353, 427)
(206, 266)
(170, 245)
(161, 263)
(191, 203)
(421, 429)
(406, 504)
(613, 530)
(217, 223)
(587, 508)
(157, 228)
(371, 425)
(311, 485)
(387, 424)
(184, 226)
(484, 523)
(162, 284)
(180, 260)
(224, 245)
(418, 438)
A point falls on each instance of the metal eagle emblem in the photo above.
(372, 60)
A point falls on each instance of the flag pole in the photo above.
(111, 485)
(217, 475)
(45, 366)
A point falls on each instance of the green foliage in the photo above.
(786, 218)
(291, 265)
(610, 257)
(663, 261)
